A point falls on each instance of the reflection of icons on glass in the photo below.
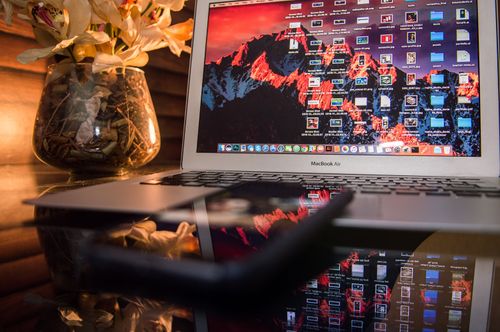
(430, 296)
(384, 2)
(339, 21)
(386, 59)
(340, 2)
(404, 313)
(294, 44)
(404, 328)
(294, 25)
(386, 18)
(411, 100)
(317, 4)
(456, 297)
(358, 270)
(406, 274)
(429, 316)
(295, 6)
(411, 17)
(315, 42)
(380, 310)
(454, 317)
(290, 318)
(432, 276)
(405, 293)
(381, 271)
(381, 291)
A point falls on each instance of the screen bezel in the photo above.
(486, 165)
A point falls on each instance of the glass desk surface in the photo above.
(376, 280)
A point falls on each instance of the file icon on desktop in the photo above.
(463, 35)
(463, 56)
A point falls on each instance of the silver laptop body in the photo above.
(373, 90)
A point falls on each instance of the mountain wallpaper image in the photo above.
(261, 93)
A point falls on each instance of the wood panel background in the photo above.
(21, 86)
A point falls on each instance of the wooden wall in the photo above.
(21, 86)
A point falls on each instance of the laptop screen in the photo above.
(353, 77)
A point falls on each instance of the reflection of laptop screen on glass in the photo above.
(389, 289)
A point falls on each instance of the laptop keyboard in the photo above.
(385, 185)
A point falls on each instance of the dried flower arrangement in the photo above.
(96, 113)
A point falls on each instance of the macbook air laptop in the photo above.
(394, 99)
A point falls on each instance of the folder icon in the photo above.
(437, 100)
(437, 36)
(437, 57)
(464, 122)
(437, 122)
(463, 35)
(436, 16)
(463, 56)
(437, 78)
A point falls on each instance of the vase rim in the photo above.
(88, 64)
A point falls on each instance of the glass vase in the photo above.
(90, 123)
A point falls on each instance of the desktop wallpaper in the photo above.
(330, 72)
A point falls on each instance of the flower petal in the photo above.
(34, 54)
(79, 13)
(107, 11)
(175, 5)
